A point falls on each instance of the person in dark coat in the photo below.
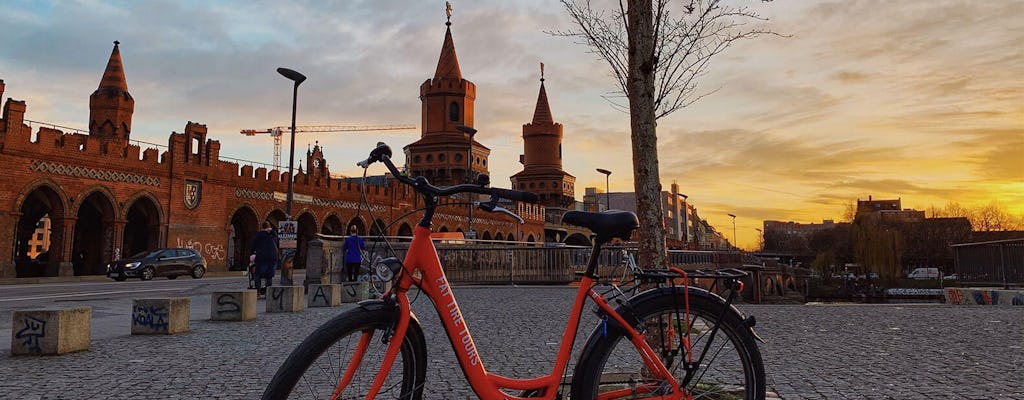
(353, 249)
(264, 247)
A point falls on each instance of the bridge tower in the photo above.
(442, 151)
(111, 106)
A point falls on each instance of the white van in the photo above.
(924, 273)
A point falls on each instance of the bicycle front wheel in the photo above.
(341, 359)
(726, 363)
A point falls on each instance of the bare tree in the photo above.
(657, 51)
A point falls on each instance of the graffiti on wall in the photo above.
(209, 250)
(984, 296)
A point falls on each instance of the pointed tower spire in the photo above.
(542, 114)
(448, 63)
(113, 76)
(542, 157)
(111, 106)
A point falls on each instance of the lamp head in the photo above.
(604, 171)
(292, 74)
(731, 215)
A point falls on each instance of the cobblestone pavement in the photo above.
(813, 351)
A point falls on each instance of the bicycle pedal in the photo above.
(749, 322)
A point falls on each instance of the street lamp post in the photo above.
(297, 78)
(734, 244)
(607, 191)
(760, 237)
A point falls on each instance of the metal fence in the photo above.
(492, 263)
(998, 262)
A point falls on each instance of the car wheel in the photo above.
(198, 271)
(172, 277)
(147, 274)
(120, 279)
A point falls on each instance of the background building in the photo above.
(106, 196)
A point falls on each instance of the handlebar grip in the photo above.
(518, 195)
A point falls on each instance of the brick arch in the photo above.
(361, 225)
(304, 234)
(36, 184)
(150, 232)
(30, 213)
(242, 224)
(126, 205)
(275, 214)
(102, 190)
(93, 239)
(333, 221)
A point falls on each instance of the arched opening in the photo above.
(244, 225)
(453, 111)
(332, 226)
(378, 228)
(276, 216)
(307, 231)
(358, 223)
(142, 227)
(39, 234)
(530, 239)
(499, 236)
(443, 229)
(486, 236)
(93, 245)
(405, 232)
(578, 239)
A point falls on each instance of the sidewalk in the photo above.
(812, 351)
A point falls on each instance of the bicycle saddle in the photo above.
(607, 225)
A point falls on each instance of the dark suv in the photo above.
(161, 262)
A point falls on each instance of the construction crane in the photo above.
(276, 132)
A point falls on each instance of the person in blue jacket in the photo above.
(264, 247)
(353, 249)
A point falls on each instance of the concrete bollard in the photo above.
(324, 295)
(160, 316)
(233, 306)
(285, 299)
(353, 292)
(51, 332)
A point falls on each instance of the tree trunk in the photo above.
(640, 91)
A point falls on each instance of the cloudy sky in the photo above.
(922, 100)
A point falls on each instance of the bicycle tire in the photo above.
(341, 334)
(610, 363)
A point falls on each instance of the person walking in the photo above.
(264, 248)
(353, 249)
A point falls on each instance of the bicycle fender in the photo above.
(379, 304)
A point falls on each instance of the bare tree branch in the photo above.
(688, 34)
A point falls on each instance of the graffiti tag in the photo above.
(152, 317)
(209, 250)
(34, 330)
(227, 304)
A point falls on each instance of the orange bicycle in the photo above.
(670, 341)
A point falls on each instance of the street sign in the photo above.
(287, 234)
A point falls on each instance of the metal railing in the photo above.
(998, 262)
(494, 262)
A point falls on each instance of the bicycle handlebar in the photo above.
(383, 153)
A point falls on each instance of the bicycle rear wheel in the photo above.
(731, 368)
(315, 369)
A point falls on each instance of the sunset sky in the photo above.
(922, 100)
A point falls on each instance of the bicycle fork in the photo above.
(394, 346)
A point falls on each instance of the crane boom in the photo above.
(277, 131)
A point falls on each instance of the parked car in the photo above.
(924, 273)
(161, 262)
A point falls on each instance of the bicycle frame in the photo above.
(423, 269)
